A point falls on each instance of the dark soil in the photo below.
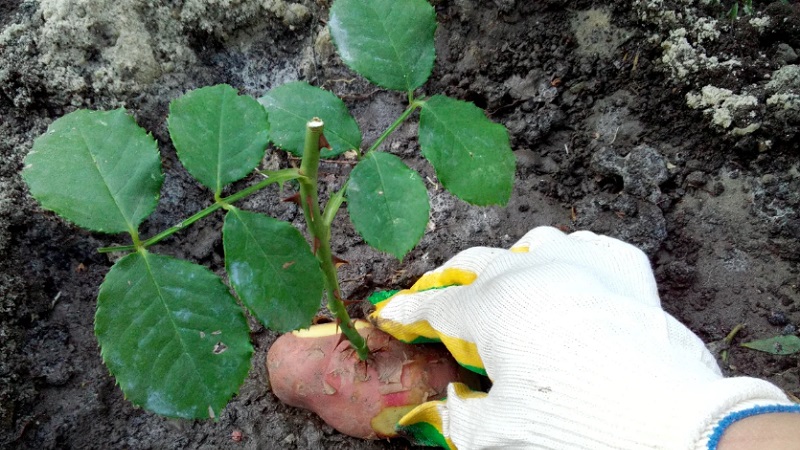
(598, 117)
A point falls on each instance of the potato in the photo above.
(316, 369)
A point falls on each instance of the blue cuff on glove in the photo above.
(732, 418)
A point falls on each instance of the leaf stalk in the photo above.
(413, 105)
(276, 176)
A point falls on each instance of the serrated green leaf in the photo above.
(292, 105)
(271, 267)
(172, 335)
(388, 203)
(470, 153)
(220, 136)
(778, 345)
(389, 42)
(98, 169)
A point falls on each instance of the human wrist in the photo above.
(776, 430)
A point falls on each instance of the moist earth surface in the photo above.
(670, 124)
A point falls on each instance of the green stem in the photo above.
(334, 203)
(733, 333)
(413, 105)
(277, 176)
(729, 340)
(273, 176)
(137, 243)
(320, 230)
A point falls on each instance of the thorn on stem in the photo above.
(310, 209)
(318, 319)
(293, 199)
(337, 330)
(338, 262)
(337, 296)
(323, 142)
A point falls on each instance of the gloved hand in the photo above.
(570, 330)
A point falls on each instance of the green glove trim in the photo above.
(379, 296)
(424, 340)
(478, 370)
(423, 433)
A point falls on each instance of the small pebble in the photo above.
(777, 318)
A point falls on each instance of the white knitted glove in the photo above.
(570, 330)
